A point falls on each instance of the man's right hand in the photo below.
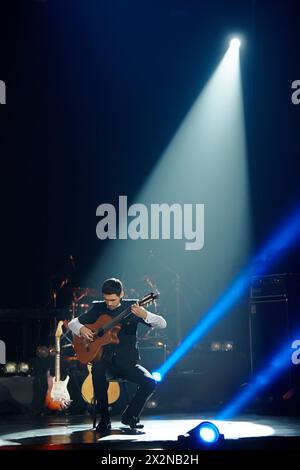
(86, 333)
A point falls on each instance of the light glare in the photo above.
(208, 432)
(157, 376)
(235, 43)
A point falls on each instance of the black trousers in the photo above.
(104, 370)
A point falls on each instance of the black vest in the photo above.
(126, 351)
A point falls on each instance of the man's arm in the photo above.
(80, 330)
(156, 321)
(78, 327)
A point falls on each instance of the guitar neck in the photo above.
(116, 320)
(57, 360)
(145, 301)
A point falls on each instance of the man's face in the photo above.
(112, 300)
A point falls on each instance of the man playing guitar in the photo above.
(119, 360)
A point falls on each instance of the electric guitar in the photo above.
(106, 331)
(57, 397)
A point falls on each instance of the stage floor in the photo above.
(160, 432)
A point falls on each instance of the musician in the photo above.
(119, 360)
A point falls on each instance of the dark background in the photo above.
(96, 90)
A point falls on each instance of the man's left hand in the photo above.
(139, 311)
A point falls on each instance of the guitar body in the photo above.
(57, 397)
(87, 389)
(87, 351)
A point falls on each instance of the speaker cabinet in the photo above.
(16, 394)
(272, 324)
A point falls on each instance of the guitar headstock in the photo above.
(148, 299)
(59, 331)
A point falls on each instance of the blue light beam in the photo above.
(284, 237)
(281, 360)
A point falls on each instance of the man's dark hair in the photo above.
(112, 286)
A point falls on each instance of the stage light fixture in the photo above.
(227, 346)
(208, 432)
(215, 346)
(204, 434)
(10, 368)
(235, 43)
(23, 368)
(157, 376)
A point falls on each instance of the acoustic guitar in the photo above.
(106, 331)
(57, 397)
(87, 389)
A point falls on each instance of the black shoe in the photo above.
(103, 426)
(133, 422)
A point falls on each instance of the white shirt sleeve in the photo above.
(75, 325)
(156, 321)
